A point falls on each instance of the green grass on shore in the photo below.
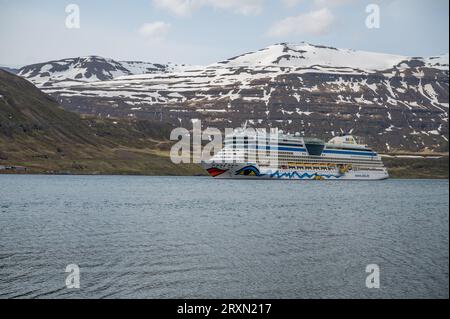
(420, 168)
(117, 161)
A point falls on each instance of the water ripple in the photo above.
(167, 237)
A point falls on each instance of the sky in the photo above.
(200, 32)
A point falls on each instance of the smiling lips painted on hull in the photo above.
(213, 171)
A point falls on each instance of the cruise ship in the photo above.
(293, 157)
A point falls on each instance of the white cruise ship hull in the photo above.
(252, 171)
(295, 158)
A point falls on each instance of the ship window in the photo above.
(314, 149)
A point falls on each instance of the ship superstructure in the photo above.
(286, 156)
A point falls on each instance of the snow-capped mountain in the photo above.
(396, 102)
(306, 57)
(74, 71)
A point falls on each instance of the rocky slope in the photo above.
(36, 133)
(395, 102)
(9, 69)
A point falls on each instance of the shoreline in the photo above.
(198, 175)
(204, 176)
(429, 167)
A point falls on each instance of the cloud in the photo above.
(291, 3)
(245, 7)
(154, 30)
(187, 7)
(178, 7)
(316, 22)
(317, 3)
(332, 3)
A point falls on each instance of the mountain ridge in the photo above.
(396, 102)
(83, 69)
(297, 51)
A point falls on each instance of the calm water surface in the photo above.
(194, 237)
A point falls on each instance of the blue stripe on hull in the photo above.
(349, 153)
(326, 151)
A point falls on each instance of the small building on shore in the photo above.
(13, 168)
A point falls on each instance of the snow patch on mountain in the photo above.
(308, 55)
(74, 71)
(393, 100)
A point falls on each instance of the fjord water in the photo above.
(195, 237)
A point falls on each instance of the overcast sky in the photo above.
(206, 31)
